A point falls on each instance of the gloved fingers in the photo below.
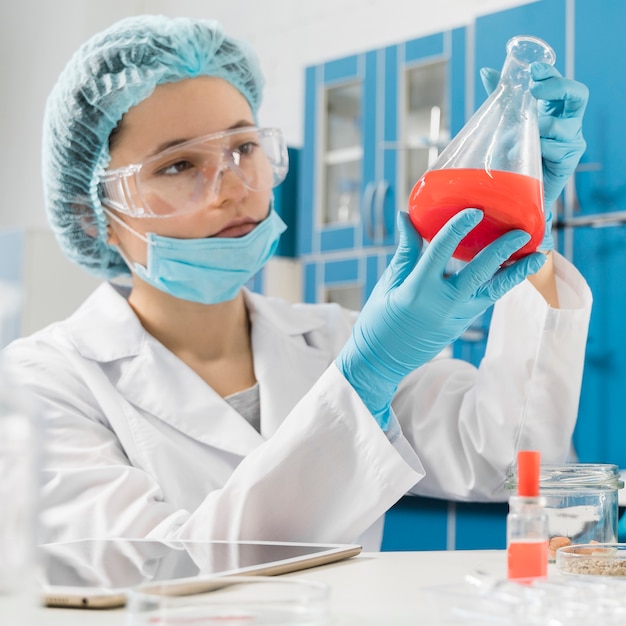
(547, 243)
(408, 250)
(482, 268)
(508, 277)
(567, 130)
(562, 146)
(562, 97)
(445, 242)
(410, 241)
(489, 78)
(559, 161)
(548, 213)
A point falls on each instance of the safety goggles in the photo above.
(188, 176)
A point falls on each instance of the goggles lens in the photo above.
(185, 177)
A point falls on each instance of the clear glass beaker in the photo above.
(582, 502)
(233, 600)
(492, 164)
(20, 455)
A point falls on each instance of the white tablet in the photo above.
(97, 573)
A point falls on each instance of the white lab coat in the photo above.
(138, 445)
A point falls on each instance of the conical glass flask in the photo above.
(493, 163)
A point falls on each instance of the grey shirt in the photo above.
(247, 404)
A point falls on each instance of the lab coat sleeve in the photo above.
(326, 475)
(89, 487)
(466, 423)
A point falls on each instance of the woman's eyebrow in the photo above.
(175, 142)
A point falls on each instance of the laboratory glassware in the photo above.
(527, 522)
(582, 502)
(20, 454)
(493, 163)
(593, 559)
(262, 600)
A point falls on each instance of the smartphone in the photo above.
(96, 573)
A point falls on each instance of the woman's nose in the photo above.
(229, 185)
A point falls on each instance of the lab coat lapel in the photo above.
(189, 405)
(155, 380)
(285, 366)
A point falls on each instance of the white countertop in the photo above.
(385, 588)
(382, 589)
(392, 588)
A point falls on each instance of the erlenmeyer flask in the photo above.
(493, 163)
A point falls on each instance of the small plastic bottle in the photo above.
(527, 523)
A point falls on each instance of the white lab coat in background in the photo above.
(139, 446)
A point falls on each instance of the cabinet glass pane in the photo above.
(343, 153)
(427, 127)
(348, 297)
(343, 182)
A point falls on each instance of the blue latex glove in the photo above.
(416, 310)
(562, 103)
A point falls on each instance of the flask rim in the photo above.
(526, 49)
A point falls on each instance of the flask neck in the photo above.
(515, 76)
(521, 52)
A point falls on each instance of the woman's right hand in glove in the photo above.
(416, 309)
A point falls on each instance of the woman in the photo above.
(186, 406)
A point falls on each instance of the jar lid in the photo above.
(574, 474)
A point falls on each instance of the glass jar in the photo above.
(581, 500)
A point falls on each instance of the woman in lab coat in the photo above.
(183, 405)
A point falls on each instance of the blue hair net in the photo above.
(112, 72)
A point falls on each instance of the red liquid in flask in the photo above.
(508, 200)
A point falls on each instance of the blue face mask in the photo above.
(208, 270)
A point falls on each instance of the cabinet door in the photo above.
(600, 48)
(372, 122)
(345, 280)
(595, 49)
(346, 178)
(427, 90)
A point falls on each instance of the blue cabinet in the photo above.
(591, 216)
(372, 123)
(342, 260)
(600, 199)
(286, 205)
(431, 524)
(345, 178)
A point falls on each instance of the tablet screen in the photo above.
(96, 572)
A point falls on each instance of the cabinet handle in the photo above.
(594, 220)
(368, 202)
(572, 204)
(382, 187)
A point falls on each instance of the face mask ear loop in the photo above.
(122, 223)
(119, 250)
